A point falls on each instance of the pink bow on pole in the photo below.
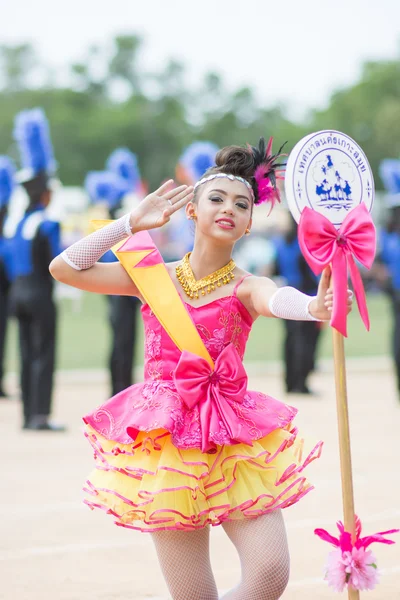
(214, 392)
(323, 245)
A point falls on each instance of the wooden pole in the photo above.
(344, 440)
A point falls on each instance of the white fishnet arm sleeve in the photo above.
(289, 303)
(85, 253)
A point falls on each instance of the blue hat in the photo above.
(32, 134)
(105, 186)
(7, 181)
(198, 158)
(124, 164)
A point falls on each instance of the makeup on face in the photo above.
(240, 200)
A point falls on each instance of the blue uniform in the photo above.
(36, 241)
(292, 266)
(5, 286)
(390, 256)
(5, 282)
(109, 257)
(5, 263)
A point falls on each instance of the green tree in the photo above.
(157, 115)
(123, 64)
(16, 63)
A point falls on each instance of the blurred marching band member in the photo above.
(195, 160)
(301, 338)
(111, 187)
(34, 242)
(7, 173)
(387, 272)
(386, 269)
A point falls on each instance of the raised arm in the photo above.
(77, 266)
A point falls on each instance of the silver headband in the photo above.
(227, 176)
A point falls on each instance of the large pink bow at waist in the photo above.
(321, 245)
(215, 392)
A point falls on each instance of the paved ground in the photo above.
(53, 548)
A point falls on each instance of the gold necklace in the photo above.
(206, 285)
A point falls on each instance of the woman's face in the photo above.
(223, 209)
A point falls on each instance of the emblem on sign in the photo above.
(328, 172)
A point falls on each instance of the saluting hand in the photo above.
(156, 209)
(321, 307)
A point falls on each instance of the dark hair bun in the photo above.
(256, 164)
(235, 160)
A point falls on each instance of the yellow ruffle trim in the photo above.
(151, 485)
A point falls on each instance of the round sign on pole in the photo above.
(328, 172)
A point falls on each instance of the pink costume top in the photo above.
(201, 408)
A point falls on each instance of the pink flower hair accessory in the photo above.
(352, 565)
(267, 172)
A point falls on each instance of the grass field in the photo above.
(84, 335)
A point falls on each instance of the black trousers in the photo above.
(123, 320)
(33, 306)
(3, 329)
(299, 352)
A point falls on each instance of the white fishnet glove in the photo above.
(85, 253)
(289, 303)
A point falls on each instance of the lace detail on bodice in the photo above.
(219, 323)
(229, 332)
(153, 365)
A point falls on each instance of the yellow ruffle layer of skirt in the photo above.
(151, 485)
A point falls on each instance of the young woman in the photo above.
(191, 446)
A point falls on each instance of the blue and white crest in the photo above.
(328, 172)
(198, 158)
(7, 179)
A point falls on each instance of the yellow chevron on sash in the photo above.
(142, 261)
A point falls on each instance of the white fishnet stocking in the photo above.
(289, 303)
(85, 253)
(184, 558)
(264, 557)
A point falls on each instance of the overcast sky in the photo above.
(288, 51)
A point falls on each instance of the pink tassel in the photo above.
(352, 565)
